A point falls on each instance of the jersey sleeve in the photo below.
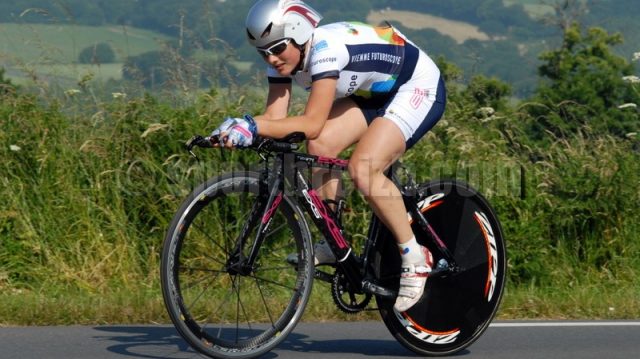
(275, 78)
(328, 57)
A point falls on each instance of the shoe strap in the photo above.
(415, 270)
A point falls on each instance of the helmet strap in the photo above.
(303, 52)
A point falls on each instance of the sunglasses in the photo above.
(275, 49)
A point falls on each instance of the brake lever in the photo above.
(261, 143)
(198, 141)
(190, 144)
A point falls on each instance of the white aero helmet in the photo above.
(272, 20)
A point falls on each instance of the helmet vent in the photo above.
(267, 31)
(250, 36)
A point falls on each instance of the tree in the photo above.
(585, 86)
(488, 92)
(100, 53)
(148, 68)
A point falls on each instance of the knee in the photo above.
(361, 171)
(359, 182)
(321, 146)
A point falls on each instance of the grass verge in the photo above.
(144, 305)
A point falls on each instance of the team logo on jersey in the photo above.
(321, 46)
(419, 95)
(324, 60)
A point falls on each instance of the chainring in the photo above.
(346, 299)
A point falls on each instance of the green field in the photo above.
(51, 51)
(535, 8)
(38, 43)
(68, 72)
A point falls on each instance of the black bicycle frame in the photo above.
(286, 174)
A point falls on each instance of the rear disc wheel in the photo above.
(457, 307)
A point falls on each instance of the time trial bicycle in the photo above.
(232, 289)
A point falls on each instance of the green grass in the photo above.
(593, 300)
(142, 302)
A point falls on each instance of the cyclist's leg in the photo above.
(378, 149)
(380, 146)
(457, 308)
(345, 126)
(407, 117)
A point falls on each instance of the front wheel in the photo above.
(457, 307)
(223, 306)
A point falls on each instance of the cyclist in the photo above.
(367, 85)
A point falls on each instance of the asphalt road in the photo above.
(503, 340)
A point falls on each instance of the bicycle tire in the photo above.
(456, 308)
(205, 299)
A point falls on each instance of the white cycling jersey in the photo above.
(372, 63)
(367, 60)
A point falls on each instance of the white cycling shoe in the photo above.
(321, 252)
(412, 282)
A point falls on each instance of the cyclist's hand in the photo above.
(228, 122)
(236, 132)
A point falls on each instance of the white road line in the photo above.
(564, 324)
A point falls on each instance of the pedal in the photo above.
(442, 269)
(369, 287)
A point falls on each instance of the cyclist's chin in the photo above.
(284, 70)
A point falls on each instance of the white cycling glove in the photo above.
(228, 122)
(241, 132)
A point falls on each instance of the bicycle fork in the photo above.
(261, 214)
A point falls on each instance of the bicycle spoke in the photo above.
(269, 269)
(220, 329)
(213, 241)
(275, 230)
(191, 285)
(272, 282)
(193, 303)
(190, 269)
(281, 247)
(264, 302)
(239, 305)
(220, 308)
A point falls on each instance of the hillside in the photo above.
(63, 43)
(458, 30)
(501, 38)
(52, 51)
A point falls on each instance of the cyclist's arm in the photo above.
(312, 121)
(277, 102)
